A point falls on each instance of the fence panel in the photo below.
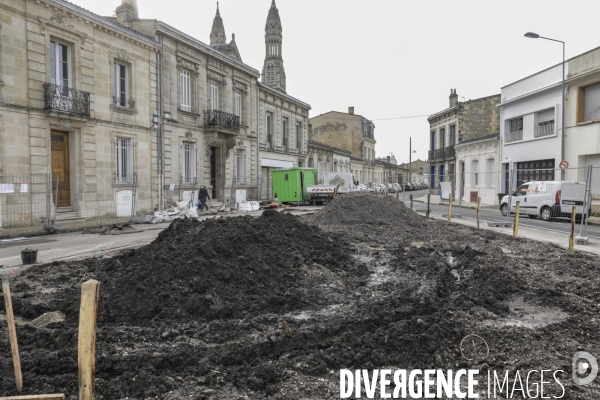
(22, 200)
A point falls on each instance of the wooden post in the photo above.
(572, 237)
(478, 210)
(428, 198)
(450, 208)
(12, 333)
(87, 338)
(411, 201)
(335, 192)
(516, 223)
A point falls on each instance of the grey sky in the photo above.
(392, 58)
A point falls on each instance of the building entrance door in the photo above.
(60, 168)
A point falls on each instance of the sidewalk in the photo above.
(486, 207)
(558, 238)
(75, 245)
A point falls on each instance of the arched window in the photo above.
(311, 163)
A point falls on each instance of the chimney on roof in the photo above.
(351, 110)
(127, 11)
(453, 97)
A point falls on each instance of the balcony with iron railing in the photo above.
(544, 130)
(445, 153)
(515, 136)
(65, 99)
(220, 120)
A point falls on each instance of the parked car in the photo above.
(548, 199)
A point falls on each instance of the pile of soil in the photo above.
(361, 208)
(283, 306)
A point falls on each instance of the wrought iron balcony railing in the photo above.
(445, 153)
(123, 102)
(221, 119)
(66, 99)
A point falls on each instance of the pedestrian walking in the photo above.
(202, 196)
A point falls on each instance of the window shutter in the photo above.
(592, 103)
(131, 161)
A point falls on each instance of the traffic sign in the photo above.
(564, 164)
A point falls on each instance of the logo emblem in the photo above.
(582, 362)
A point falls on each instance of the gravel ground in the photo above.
(202, 312)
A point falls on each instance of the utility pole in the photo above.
(409, 158)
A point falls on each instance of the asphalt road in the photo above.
(492, 214)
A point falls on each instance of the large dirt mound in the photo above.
(221, 268)
(364, 208)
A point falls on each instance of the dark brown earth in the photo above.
(363, 284)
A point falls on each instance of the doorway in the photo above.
(60, 168)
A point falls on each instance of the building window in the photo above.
(476, 173)
(189, 162)
(432, 141)
(545, 123)
(124, 157)
(515, 130)
(442, 138)
(539, 170)
(240, 162)
(299, 136)
(269, 126)
(491, 166)
(516, 124)
(185, 87)
(121, 85)
(237, 105)
(284, 133)
(270, 75)
(214, 96)
(588, 103)
(452, 135)
(60, 64)
(441, 173)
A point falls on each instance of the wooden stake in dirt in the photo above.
(411, 201)
(87, 338)
(450, 208)
(478, 210)
(287, 330)
(516, 223)
(12, 332)
(572, 237)
(36, 397)
(428, 198)
(335, 192)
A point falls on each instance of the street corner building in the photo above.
(113, 116)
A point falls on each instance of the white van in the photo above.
(548, 199)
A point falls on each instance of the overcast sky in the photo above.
(392, 58)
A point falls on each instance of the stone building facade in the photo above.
(207, 113)
(121, 108)
(76, 103)
(419, 171)
(351, 132)
(460, 122)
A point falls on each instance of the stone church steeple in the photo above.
(217, 34)
(273, 73)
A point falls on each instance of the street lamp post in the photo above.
(533, 35)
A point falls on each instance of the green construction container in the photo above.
(289, 185)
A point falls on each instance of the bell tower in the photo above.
(273, 73)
